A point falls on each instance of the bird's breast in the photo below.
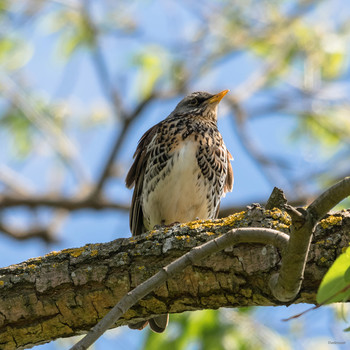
(178, 193)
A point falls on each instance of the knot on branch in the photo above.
(277, 199)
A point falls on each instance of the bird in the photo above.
(181, 170)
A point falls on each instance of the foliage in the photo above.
(216, 330)
(335, 286)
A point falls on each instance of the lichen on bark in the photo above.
(65, 293)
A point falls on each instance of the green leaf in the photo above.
(150, 67)
(347, 275)
(75, 29)
(20, 129)
(201, 327)
(334, 281)
(333, 65)
(14, 53)
(328, 128)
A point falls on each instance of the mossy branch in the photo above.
(195, 255)
(66, 293)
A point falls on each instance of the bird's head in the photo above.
(200, 103)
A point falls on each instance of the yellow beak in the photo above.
(218, 97)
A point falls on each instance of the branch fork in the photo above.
(286, 284)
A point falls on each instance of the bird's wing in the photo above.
(214, 162)
(135, 178)
(229, 177)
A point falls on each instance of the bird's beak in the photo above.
(218, 97)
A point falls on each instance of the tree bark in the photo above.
(65, 293)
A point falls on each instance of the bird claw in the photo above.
(160, 226)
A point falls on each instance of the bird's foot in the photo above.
(162, 225)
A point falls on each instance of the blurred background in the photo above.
(81, 81)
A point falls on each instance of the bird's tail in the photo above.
(157, 324)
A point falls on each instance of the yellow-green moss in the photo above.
(282, 226)
(228, 221)
(75, 252)
(130, 314)
(53, 253)
(246, 292)
(94, 252)
(183, 237)
(331, 221)
(193, 225)
(279, 215)
(232, 219)
(31, 266)
(210, 233)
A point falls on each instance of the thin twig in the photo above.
(35, 232)
(235, 236)
(14, 181)
(327, 301)
(329, 199)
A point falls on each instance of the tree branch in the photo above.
(65, 293)
(72, 203)
(195, 255)
(35, 232)
(68, 203)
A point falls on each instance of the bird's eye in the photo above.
(193, 102)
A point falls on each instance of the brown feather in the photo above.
(229, 177)
(135, 177)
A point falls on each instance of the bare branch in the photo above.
(7, 201)
(329, 199)
(14, 181)
(36, 232)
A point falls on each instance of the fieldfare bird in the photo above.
(181, 170)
